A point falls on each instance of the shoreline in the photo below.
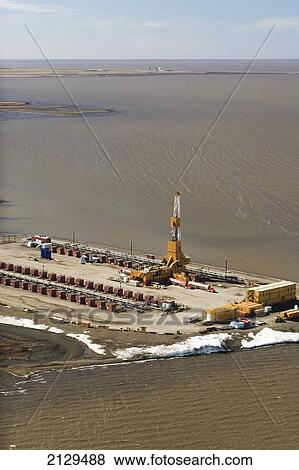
(126, 349)
(42, 73)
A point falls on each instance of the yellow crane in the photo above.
(174, 261)
(174, 245)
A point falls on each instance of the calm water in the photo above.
(240, 195)
(241, 400)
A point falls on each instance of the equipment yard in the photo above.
(193, 300)
(107, 297)
(135, 313)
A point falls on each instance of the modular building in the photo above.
(229, 312)
(271, 294)
(248, 309)
(222, 314)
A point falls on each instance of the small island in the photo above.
(55, 110)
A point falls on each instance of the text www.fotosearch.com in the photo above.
(166, 460)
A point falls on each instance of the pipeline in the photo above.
(202, 273)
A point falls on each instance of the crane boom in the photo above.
(174, 251)
(175, 221)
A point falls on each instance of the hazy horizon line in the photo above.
(150, 59)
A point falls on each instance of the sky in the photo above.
(149, 29)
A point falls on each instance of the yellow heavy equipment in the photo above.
(174, 245)
(174, 261)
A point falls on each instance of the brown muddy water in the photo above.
(240, 195)
(241, 400)
(240, 202)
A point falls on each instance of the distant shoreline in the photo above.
(42, 73)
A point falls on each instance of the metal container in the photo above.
(138, 296)
(99, 287)
(91, 302)
(101, 304)
(52, 292)
(111, 307)
(118, 291)
(108, 289)
(45, 253)
(81, 299)
(71, 297)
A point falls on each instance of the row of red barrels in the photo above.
(79, 282)
(53, 292)
(61, 250)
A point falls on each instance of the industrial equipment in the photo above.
(174, 245)
(174, 261)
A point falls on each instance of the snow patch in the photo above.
(28, 323)
(195, 345)
(267, 337)
(24, 322)
(53, 329)
(97, 348)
